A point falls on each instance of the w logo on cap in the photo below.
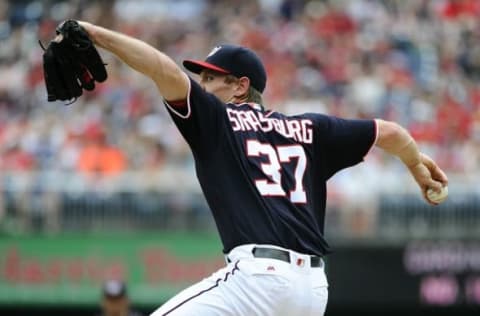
(214, 50)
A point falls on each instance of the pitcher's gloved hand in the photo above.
(71, 63)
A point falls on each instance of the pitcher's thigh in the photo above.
(208, 297)
(202, 298)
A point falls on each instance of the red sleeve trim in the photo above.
(177, 107)
(177, 103)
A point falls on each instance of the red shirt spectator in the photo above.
(454, 9)
(17, 159)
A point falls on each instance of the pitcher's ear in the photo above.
(242, 87)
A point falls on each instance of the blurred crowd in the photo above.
(415, 62)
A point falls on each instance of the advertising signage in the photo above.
(68, 270)
(421, 273)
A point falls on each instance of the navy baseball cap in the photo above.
(234, 60)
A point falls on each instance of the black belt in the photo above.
(279, 254)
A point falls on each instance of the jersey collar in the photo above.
(255, 106)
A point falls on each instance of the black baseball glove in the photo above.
(71, 63)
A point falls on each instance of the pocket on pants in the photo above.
(267, 288)
(273, 276)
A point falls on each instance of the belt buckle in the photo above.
(300, 262)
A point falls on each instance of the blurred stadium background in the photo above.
(105, 187)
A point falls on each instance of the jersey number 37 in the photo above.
(272, 169)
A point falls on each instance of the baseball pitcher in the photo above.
(263, 174)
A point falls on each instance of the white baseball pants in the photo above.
(250, 286)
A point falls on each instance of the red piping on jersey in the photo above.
(178, 103)
(177, 110)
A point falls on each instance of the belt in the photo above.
(283, 255)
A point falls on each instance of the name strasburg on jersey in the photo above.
(282, 165)
(264, 173)
(299, 130)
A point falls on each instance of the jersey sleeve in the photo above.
(198, 118)
(341, 143)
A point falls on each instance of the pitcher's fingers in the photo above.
(435, 170)
(439, 175)
(434, 185)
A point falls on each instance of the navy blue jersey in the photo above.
(264, 173)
